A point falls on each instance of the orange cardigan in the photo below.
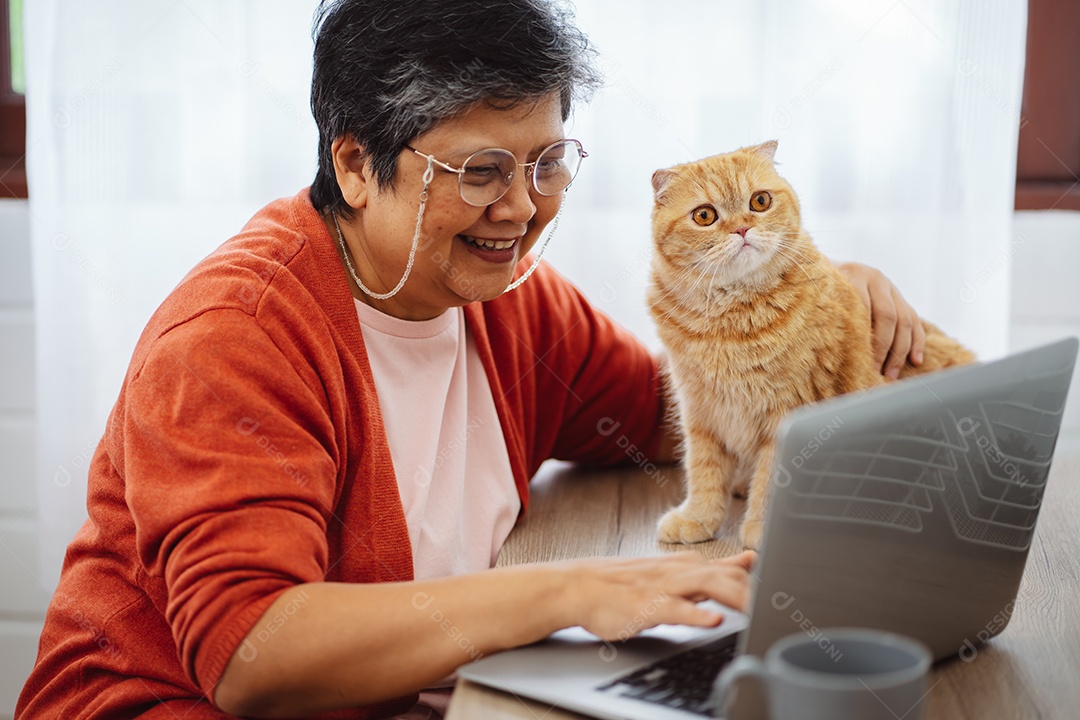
(246, 454)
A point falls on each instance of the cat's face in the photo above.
(730, 217)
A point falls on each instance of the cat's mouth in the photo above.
(744, 246)
(741, 255)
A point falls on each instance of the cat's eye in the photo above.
(705, 215)
(760, 201)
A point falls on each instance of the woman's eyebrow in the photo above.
(547, 143)
(464, 149)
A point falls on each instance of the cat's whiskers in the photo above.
(796, 263)
(700, 275)
(797, 255)
(712, 289)
(787, 239)
(672, 290)
(689, 300)
(684, 272)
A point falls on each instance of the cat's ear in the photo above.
(661, 179)
(766, 150)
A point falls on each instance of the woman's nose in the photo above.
(516, 205)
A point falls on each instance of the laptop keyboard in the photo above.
(683, 681)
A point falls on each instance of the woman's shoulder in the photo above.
(275, 275)
(285, 237)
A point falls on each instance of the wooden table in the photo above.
(1031, 670)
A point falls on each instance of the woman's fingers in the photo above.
(623, 597)
(687, 612)
(725, 584)
(858, 281)
(728, 584)
(745, 559)
(918, 344)
(883, 319)
(898, 334)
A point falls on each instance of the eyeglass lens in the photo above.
(488, 174)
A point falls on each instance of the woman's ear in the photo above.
(352, 171)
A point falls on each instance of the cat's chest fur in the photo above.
(749, 356)
(743, 378)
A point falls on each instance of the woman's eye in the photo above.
(548, 168)
(760, 201)
(481, 174)
(705, 215)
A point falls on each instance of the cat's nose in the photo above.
(742, 231)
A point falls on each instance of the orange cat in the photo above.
(756, 322)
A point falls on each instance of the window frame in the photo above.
(1048, 151)
(12, 120)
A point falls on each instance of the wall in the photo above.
(1045, 293)
(22, 602)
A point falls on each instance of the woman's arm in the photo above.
(322, 646)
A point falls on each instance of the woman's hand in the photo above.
(619, 598)
(898, 332)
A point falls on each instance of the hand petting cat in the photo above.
(898, 331)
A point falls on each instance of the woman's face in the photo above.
(449, 270)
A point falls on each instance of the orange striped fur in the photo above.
(752, 328)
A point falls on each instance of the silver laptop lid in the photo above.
(911, 507)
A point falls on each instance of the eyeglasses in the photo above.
(486, 175)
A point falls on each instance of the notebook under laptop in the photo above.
(909, 508)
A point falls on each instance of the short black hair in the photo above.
(386, 71)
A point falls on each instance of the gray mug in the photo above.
(843, 673)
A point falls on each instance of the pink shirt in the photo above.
(452, 467)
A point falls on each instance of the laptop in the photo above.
(909, 508)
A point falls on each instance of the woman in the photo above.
(327, 430)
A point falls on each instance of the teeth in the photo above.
(490, 244)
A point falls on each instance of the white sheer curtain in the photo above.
(897, 122)
(157, 128)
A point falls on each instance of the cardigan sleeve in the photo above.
(230, 476)
(602, 382)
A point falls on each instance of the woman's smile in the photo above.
(493, 250)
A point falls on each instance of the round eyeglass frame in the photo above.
(508, 180)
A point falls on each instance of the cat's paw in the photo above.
(750, 534)
(683, 525)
